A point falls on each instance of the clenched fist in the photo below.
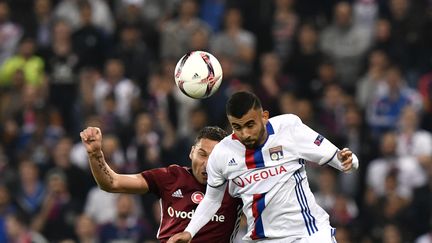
(91, 137)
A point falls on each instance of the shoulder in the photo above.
(285, 120)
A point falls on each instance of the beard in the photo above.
(255, 143)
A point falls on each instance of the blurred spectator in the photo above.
(407, 170)
(10, 33)
(18, 230)
(127, 226)
(305, 59)
(425, 90)
(235, 42)
(180, 30)
(100, 205)
(63, 82)
(100, 13)
(125, 91)
(331, 112)
(6, 208)
(421, 211)
(135, 55)
(39, 23)
(271, 82)
(130, 13)
(284, 27)
(413, 141)
(346, 43)
(212, 12)
(392, 234)
(86, 229)
(389, 102)
(365, 13)
(30, 191)
(326, 75)
(407, 23)
(357, 138)
(56, 217)
(76, 180)
(374, 79)
(89, 41)
(144, 147)
(27, 61)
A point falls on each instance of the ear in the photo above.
(191, 151)
(265, 116)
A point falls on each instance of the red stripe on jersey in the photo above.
(256, 214)
(250, 159)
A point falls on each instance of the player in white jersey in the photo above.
(263, 162)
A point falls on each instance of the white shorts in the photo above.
(324, 235)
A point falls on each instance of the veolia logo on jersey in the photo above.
(197, 197)
(259, 176)
(188, 215)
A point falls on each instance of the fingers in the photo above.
(90, 134)
(347, 164)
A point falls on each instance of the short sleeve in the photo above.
(214, 169)
(311, 145)
(153, 180)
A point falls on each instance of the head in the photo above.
(247, 118)
(343, 14)
(207, 138)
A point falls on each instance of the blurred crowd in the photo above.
(359, 72)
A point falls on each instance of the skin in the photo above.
(110, 181)
(251, 131)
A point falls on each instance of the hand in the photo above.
(183, 237)
(345, 156)
(91, 137)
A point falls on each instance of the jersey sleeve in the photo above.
(311, 145)
(214, 167)
(152, 177)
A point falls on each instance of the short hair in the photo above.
(211, 132)
(241, 102)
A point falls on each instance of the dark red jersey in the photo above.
(180, 193)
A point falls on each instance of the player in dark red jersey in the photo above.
(180, 189)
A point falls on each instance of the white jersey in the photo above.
(271, 179)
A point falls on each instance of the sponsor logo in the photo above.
(318, 140)
(178, 193)
(259, 176)
(197, 197)
(232, 162)
(188, 215)
(276, 153)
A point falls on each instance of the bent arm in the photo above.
(206, 209)
(108, 180)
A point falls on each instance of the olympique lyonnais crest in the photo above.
(276, 153)
(197, 197)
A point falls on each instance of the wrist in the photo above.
(95, 153)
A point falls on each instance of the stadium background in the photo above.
(359, 72)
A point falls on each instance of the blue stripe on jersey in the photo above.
(301, 197)
(269, 128)
(301, 205)
(307, 205)
(258, 206)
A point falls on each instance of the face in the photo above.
(250, 128)
(199, 155)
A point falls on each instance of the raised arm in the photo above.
(107, 179)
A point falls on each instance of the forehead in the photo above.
(252, 114)
(206, 144)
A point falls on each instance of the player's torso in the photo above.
(178, 204)
(272, 182)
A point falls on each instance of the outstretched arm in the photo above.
(107, 179)
(204, 212)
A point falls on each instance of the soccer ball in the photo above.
(198, 74)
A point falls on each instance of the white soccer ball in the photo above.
(198, 74)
